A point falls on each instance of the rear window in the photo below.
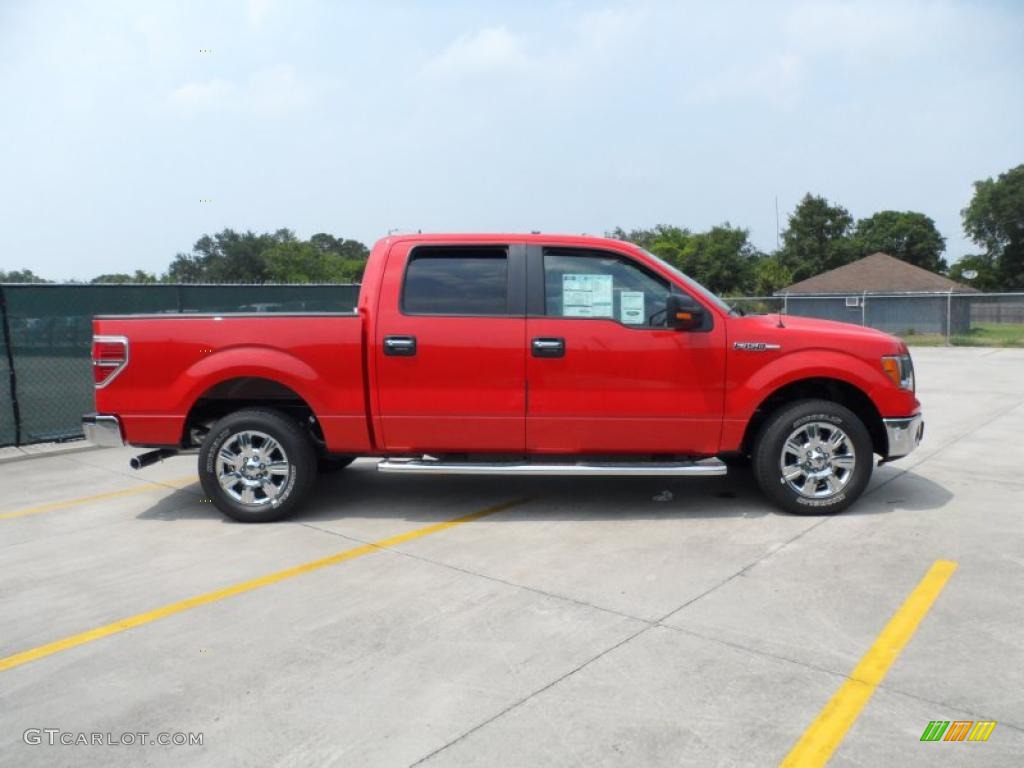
(456, 280)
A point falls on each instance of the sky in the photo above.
(120, 120)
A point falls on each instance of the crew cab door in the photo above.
(449, 348)
(605, 373)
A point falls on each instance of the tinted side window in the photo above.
(456, 281)
(602, 285)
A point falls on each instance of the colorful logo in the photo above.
(958, 730)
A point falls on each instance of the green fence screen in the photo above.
(45, 370)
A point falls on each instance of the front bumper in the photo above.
(904, 435)
(102, 430)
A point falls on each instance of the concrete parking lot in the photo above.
(582, 623)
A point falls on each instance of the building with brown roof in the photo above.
(886, 293)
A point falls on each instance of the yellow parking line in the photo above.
(246, 586)
(53, 506)
(824, 735)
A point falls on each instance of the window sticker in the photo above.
(587, 296)
(631, 308)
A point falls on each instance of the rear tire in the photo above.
(813, 457)
(257, 465)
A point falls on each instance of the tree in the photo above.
(817, 238)
(987, 278)
(722, 259)
(122, 277)
(233, 257)
(770, 276)
(994, 220)
(645, 238)
(347, 249)
(907, 235)
(20, 276)
(352, 255)
(227, 257)
(303, 262)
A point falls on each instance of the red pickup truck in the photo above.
(507, 354)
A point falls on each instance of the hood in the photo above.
(802, 332)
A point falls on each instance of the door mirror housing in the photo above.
(684, 313)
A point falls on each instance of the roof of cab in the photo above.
(505, 237)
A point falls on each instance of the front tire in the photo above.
(256, 465)
(813, 457)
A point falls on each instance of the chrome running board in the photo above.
(701, 468)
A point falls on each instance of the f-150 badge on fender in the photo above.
(753, 346)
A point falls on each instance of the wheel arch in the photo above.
(820, 388)
(235, 393)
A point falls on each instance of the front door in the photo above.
(605, 373)
(449, 349)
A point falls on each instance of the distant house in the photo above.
(863, 291)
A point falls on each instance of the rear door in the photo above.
(605, 373)
(450, 348)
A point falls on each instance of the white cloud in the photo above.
(272, 91)
(192, 97)
(873, 29)
(276, 91)
(491, 49)
(780, 80)
(777, 79)
(256, 11)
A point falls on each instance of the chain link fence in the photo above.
(46, 380)
(958, 319)
(46, 333)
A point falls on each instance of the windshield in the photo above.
(692, 284)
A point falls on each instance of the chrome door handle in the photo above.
(548, 347)
(400, 346)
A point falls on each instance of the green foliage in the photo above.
(305, 263)
(817, 238)
(770, 276)
(994, 219)
(907, 235)
(987, 278)
(820, 236)
(232, 257)
(123, 277)
(722, 259)
(352, 250)
(20, 276)
(646, 238)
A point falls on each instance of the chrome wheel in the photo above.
(818, 460)
(252, 468)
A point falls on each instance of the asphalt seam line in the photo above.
(758, 652)
(903, 471)
(495, 579)
(949, 444)
(180, 606)
(868, 663)
(833, 672)
(518, 703)
(745, 568)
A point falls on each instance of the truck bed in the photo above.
(174, 360)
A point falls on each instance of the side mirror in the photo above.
(683, 313)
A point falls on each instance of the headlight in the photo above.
(899, 368)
